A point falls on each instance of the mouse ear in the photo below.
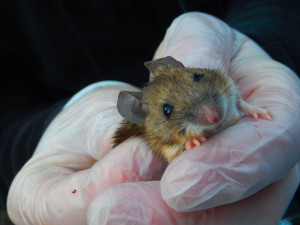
(131, 107)
(165, 63)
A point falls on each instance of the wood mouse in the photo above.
(180, 107)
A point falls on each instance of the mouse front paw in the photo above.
(195, 142)
(255, 111)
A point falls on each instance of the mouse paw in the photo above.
(195, 142)
(255, 111)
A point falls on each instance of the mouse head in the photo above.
(178, 103)
(171, 84)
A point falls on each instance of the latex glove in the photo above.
(250, 155)
(73, 162)
(73, 178)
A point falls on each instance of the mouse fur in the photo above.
(179, 108)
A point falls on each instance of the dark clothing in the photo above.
(49, 50)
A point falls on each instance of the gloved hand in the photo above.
(252, 154)
(74, 177)
(73, 162)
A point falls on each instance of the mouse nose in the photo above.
(209, 113)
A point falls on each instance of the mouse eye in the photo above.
(197, 77)
(168, 110)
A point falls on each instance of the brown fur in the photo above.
(127, 130)
(176, 86)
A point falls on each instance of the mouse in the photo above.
(181, 107)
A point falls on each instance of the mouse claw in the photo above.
(255, 111)
(263, 114)
(259, 113)
(192, 144)
(195, 142)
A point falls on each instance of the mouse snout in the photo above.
(208, 113)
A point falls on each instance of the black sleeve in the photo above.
(273, 24)
(22, 121)
(22, 118)
(26, 108)
(21, 130)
